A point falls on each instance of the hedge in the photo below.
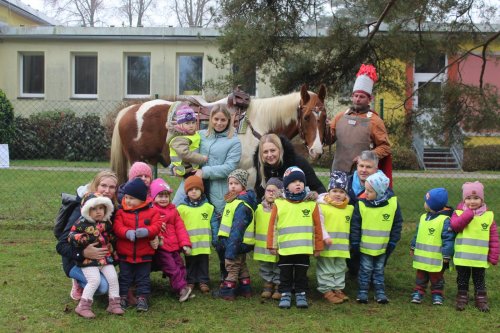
(481, 158)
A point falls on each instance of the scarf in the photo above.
(295, 196)
(478, 212)
(340, 205)
(230, 196)
(380, 199)
(195, 203)
(357, 188)
(267, 206)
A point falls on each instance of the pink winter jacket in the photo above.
(175, 235)
(459, 223)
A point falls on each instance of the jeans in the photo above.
(77, 274)
(371, 267)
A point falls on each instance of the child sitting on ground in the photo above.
(175, 239)
(432, 246)
(268, 263)
(335, 213)
(375, 229)
(94, 226)
(476, 245)
(184, 142)
(136, 224)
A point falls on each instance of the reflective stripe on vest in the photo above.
(376, 226)
(295, 227)
(260, 251)
(338, 224)
(428, 247)
(227, 222)
(472, 244)
(197, 222)
(195, 140)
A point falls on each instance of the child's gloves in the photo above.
(187, 250)
(141, 233)
(130, 234)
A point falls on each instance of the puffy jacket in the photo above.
(459, 223)
(144, 216)
(175, 235)
(290, 158)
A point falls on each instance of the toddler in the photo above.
(94, 226)
(476, 245)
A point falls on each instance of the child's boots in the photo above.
(380, 296)
(114, 306)
(267, 291)
(84, 308)
(481, 301)
(245, 288)
(301, 300)
(228, 291)
(285, 301)
(362, 294)
(276, 294)
(462, 300)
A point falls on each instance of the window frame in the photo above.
(21, 74)
(178, 70)
(136, 54)
(424, 77)
(74, 94)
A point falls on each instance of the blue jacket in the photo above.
(233, 245)
(447, 235)
(214, 221)
(356, 221)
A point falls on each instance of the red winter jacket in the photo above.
(175, 235)
(459, 223)
(144, 216)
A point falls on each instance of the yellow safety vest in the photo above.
(472, 244)
(295, 227)
(195, 140)
(260, 251)
(197, 222)
(428, 254)
(338, 225)
(376, 227)
(227, 222)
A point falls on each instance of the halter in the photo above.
(317, 110)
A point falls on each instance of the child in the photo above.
(94, 226)
(236, 235)
(184, 143)
(375, 229)
(175, 240)
(136, 224)
(268, 263)
(335, 213)
(137, 170)
(432, 246)
(476, 245)
(201, 223)
(294, 233)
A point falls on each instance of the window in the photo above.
(84, 76)
(429, 63)
(247, 81)
(138, 75)
(190, 74)
(429, 95)
(32, 74)
(427, 67)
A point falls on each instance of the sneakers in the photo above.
(184, 294)
(380, 297)
(362, 297)
(416, 297)
(333, 298)
(205, 289)
(124, 302)
(285, 301)
(437, 299)
(340, 294)
(142, 304)
(76, 290)
(301, 300)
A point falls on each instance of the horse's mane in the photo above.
(273, 112)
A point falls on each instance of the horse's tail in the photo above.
(119, 162)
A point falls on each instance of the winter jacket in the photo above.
(144, 216)
(243, 216)
(290, 158)
(447, 235)
(459, 223)
(214, 220)
(175, 235)
(356, 222)
(181, 144)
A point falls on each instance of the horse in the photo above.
(140, 133)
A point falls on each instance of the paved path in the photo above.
(433, 174)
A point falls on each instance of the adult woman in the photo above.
(105, 182)
(274, 155)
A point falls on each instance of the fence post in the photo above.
(381, 113)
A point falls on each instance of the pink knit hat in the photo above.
(139, 168)
(159, 185)
(473, 188)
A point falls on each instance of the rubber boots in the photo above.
(245, 288)
(228, 291)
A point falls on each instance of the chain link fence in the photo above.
(60, 145)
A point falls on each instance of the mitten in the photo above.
(141, 232)
(130, 234)
(187, 250)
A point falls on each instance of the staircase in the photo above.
(440, 158)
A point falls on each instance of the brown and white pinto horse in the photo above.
(140, 133)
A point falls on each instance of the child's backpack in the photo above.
(68, 204)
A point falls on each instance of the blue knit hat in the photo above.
(136, 188)
(338, 179)
(379, 182)
(293, 173)
(436, 198)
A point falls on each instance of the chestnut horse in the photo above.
(140, 133)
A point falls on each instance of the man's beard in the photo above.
(361, 108)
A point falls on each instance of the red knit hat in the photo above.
(192, 182)
(139, 168)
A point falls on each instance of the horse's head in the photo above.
(311, 115)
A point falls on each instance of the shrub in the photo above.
(6, 119)
(404, 158)
(481, 158)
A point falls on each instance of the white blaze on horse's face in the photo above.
(317, 147)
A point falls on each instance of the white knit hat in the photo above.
(366, 78)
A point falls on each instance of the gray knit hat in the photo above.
(276, 182)
(240, 175)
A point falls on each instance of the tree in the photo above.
(82, 12)
(137, 8)
(7, 126)
(195, 13)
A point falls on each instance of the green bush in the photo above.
(6, 119)
(481, 158)
(404, 158)
(60, 135)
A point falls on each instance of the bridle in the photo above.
(316, 111)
